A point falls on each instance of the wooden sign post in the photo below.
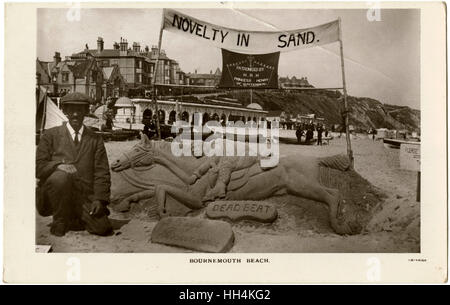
(155, 102)
(410, 160)
(344, 86)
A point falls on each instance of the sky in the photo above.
(382, 58)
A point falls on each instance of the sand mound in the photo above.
(359, 197)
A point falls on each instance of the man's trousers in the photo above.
(65, 200)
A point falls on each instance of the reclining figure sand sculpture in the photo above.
(155, 172)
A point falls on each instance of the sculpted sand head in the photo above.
(139, 155)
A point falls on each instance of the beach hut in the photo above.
(402, 134)
(382, 133)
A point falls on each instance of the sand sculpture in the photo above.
(150, 170)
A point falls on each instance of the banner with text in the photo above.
(249, 71)
(250, 41)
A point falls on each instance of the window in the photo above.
(65, 77)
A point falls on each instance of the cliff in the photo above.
(365, 113)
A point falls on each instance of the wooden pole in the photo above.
(158, 129)
(347, 131)
(181, 104)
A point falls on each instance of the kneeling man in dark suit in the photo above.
(73, 172)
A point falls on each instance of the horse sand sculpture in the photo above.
(152, 171)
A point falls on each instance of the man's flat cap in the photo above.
(75, 98)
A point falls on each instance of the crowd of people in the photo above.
(307, 130)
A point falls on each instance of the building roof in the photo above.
(162, 56)
(199, 76)
(255, 106)
(123, 102)
(217, 107)
(107, 71)
(42, 66)
(219, 102)
(107, 53)
(81, 68)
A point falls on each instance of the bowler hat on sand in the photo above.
(75, 99)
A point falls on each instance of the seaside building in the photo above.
(204, 79)
(211, 109)
(293, 82)
(136, 65)
(102, 73)
(60, 77)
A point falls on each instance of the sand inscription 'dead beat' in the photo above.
(240, 210)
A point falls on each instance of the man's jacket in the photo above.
(56, 146)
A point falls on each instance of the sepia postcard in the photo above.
(231, 142)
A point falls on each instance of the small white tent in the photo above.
(53, 116)
(49, 115)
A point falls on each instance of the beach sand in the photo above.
(302, 225)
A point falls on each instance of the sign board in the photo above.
(254, 42)
(410, 156)
(249, 71)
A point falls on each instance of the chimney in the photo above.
(136, 47)
(195, 71)
(154, 50)
(210, 71)
(99, 44)
(116, 46)
(57, 58)
(147, 49)
(123, 47)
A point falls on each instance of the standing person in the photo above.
(108, 116)
(73, 172)
(149, 126)
(319, 134)
(299, 134)
(309, 133)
